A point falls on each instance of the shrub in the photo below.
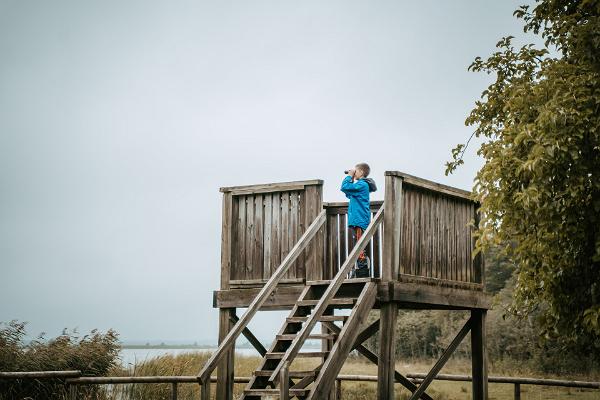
(94, 354)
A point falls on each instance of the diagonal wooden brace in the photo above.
(369, 355)
(440, 363)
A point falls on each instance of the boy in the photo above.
(357, 187)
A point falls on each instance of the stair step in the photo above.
(346, 301)
(292, 336)
(293, 374)
(274, 392)
(327, 282)
(329, 318)
(278, 354)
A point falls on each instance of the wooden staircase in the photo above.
(356, 295)
(316, 304)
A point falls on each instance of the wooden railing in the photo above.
(72, 379)
(339, 240)
(228, 342)
(261, 224)
(431, 231)
(431, 234)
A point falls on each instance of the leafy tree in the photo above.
(539, 187)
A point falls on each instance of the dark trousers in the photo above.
(356, 235)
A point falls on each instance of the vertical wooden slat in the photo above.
(294, 230)
(258, 237)
(343, 239)
(320, 237)
(268, 213)
(227, 230)
(301, 270)
(284, 240)
(241, 238)
(315, 251)
(249, 243)
(376, 260)
(275, 231)
(331, 243)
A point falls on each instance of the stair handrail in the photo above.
(261, 297)
(330, 292)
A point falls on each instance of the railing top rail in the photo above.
(270, 187)
(334, 204)
(99, 380)
(433, 186)
(39, 374)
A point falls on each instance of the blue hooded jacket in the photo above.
(359, 207)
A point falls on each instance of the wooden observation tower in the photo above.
(283, 248)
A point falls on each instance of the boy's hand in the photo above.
(351, 172)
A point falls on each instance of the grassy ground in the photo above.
(189, 364)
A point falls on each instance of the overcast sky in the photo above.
(119, 121)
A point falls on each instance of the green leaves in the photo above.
(540, 185)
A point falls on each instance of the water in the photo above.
(130, 357)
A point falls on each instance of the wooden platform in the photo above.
(411, 295)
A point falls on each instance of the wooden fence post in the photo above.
(284, 382)
(72, 392)
(173, 390)
(517, 391)
(338, 389)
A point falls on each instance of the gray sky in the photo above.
(119, 121)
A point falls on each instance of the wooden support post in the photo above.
(517, 391)
(338, 389)
(205, 389)
(387, 351)
(225, 371)
(284, 381)
(72, 392)
(326, 346)
(392, 228)
(479, 355)
(174, 391)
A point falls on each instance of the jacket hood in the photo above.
(371, 183)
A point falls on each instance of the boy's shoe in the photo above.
(362, 269)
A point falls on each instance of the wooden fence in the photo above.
(73, 379)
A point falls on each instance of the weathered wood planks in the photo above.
(264, 226)
(436, 234)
